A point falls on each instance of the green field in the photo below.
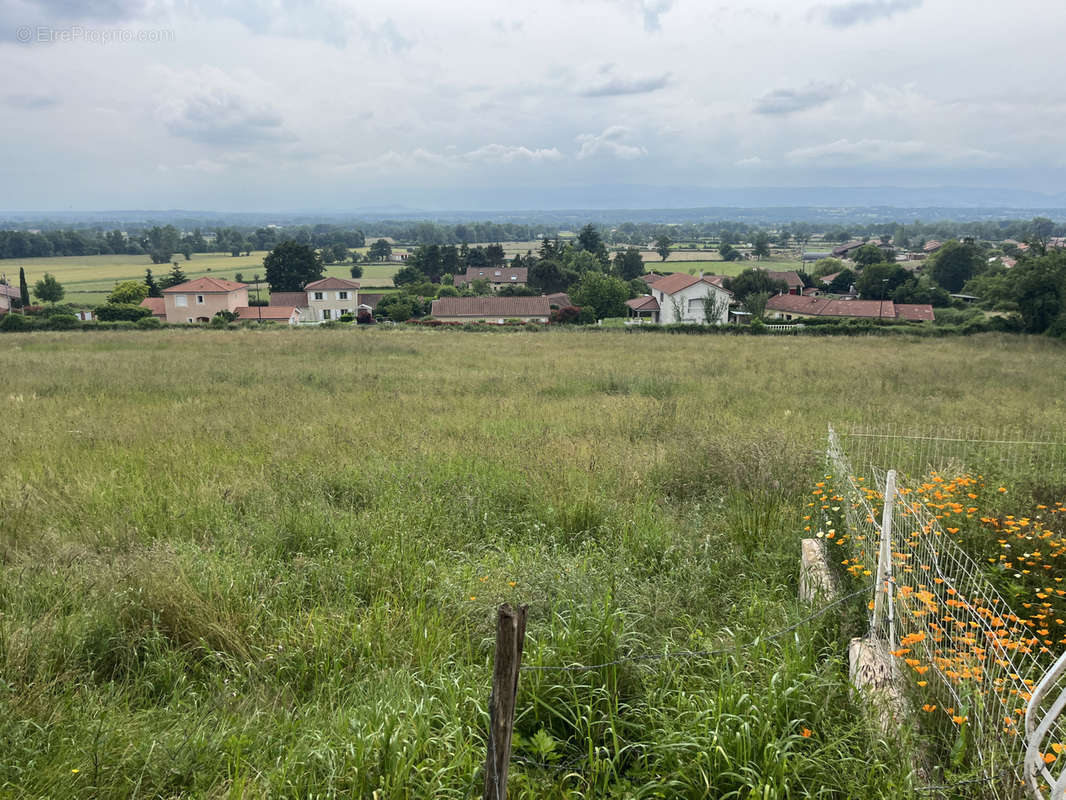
(265, 563)
(88, 279)
(715, 266)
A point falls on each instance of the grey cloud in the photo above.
(60, 11)
(789, 101)
(857, 12)
(621, 86)
(220, 117)
(30, 102)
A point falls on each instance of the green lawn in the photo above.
(265, 563)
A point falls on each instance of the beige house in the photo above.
(491, 309)
(199, 300)
(7, 294)
(330, 298)
(496, 276)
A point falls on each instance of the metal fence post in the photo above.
(884, 603)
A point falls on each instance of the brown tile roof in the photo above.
(265, 312)
(650, 278)
(932, 247)
(493, 275)
(561, 299)
(645, 303)
(671, 284)
(370, 300)
(10, 291)
(331, 283)
(206, 285)
(844, 249)
(495, 307)
(297, 299)
(916, 312)
(866, 309)
(791, 279)
(157, 305)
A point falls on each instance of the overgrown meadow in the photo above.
(266, 563)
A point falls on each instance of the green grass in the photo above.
(88, 279)
(265, 563)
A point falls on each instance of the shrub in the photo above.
(63, 322)
(15, 322)
(121, 312)
(345, 318)
(149, 322)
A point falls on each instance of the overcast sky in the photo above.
(260, 105)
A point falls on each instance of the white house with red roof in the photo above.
(688, 298)
(197, 301)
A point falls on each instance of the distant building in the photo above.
(683, 298)
(200, 299)
(845, 250)
(791, 307)
(491, 309)
(496, 276)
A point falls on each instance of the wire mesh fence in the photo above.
(965, 651)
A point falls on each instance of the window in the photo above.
(345, 311)
(342, 295)
(189, 319)
(514, 277)
(318, 295)
(498, 273)
(181, 300)
(199, 299)
(325, 313)
(695, 305)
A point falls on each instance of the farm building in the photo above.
(491, 309)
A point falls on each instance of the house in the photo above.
(789, 307)
(294, 299)
(157, 305)
(790, 278)
(400, 257)
(644, 308)
(491, 309)
(683, 297)
(8, 296)
(807, 257)
(200, 299)
(558, 300)
(931, 247)
(331, 298)
(287, 314)
(844, 251)
(496, 276)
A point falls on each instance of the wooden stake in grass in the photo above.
(510, 635)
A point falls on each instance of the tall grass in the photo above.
(265, 563)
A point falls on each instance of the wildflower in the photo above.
(807, 733)
(512, 584)
(473, 597)
(959, 720)
(1049, 758)
(928, 708)
(75, 771)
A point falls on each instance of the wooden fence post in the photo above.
(510, 635)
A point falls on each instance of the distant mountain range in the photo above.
(612, 204)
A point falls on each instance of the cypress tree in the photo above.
(24, 290)
(153, 287)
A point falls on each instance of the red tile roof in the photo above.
(866, 309)
(932, 247)
(265, 312)
(645, 303)
(650, 278)
(791, 279)
(10, 291)
(671, 284)
(331, 283)
(206, 285)
(513, 275)
(297, 299)
(916, 312)
(157, 305)
(494, 307)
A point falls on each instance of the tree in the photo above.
(173, 278)
(754, 281)
(495, 255)
(715, 307)
(356, 271)
(1040, 230)
(827, 266)
(868, 254)
(548, 276)
(589, 240)
(397, 307)
(629, 264)
(380, 250)
(291, 266)
(842, 283)
(604, 294)
(662, 246)
(755, 304)
(879, 281)
(729, 253)
(49, 289)
(954, 264)
(407, 274)
(761, 245)
(24, 290)
(1040, 291)
(128, 293)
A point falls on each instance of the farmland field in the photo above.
(259, 563)
(88, 279)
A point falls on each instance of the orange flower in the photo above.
(929, 709)
(959, 720)
(1049, 758)
(807, 733)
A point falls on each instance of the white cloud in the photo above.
(907, 153)
(751, 161)
(610, 143)
(491, 154)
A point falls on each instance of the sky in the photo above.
(261, 105)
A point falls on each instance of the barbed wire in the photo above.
(647, 657)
